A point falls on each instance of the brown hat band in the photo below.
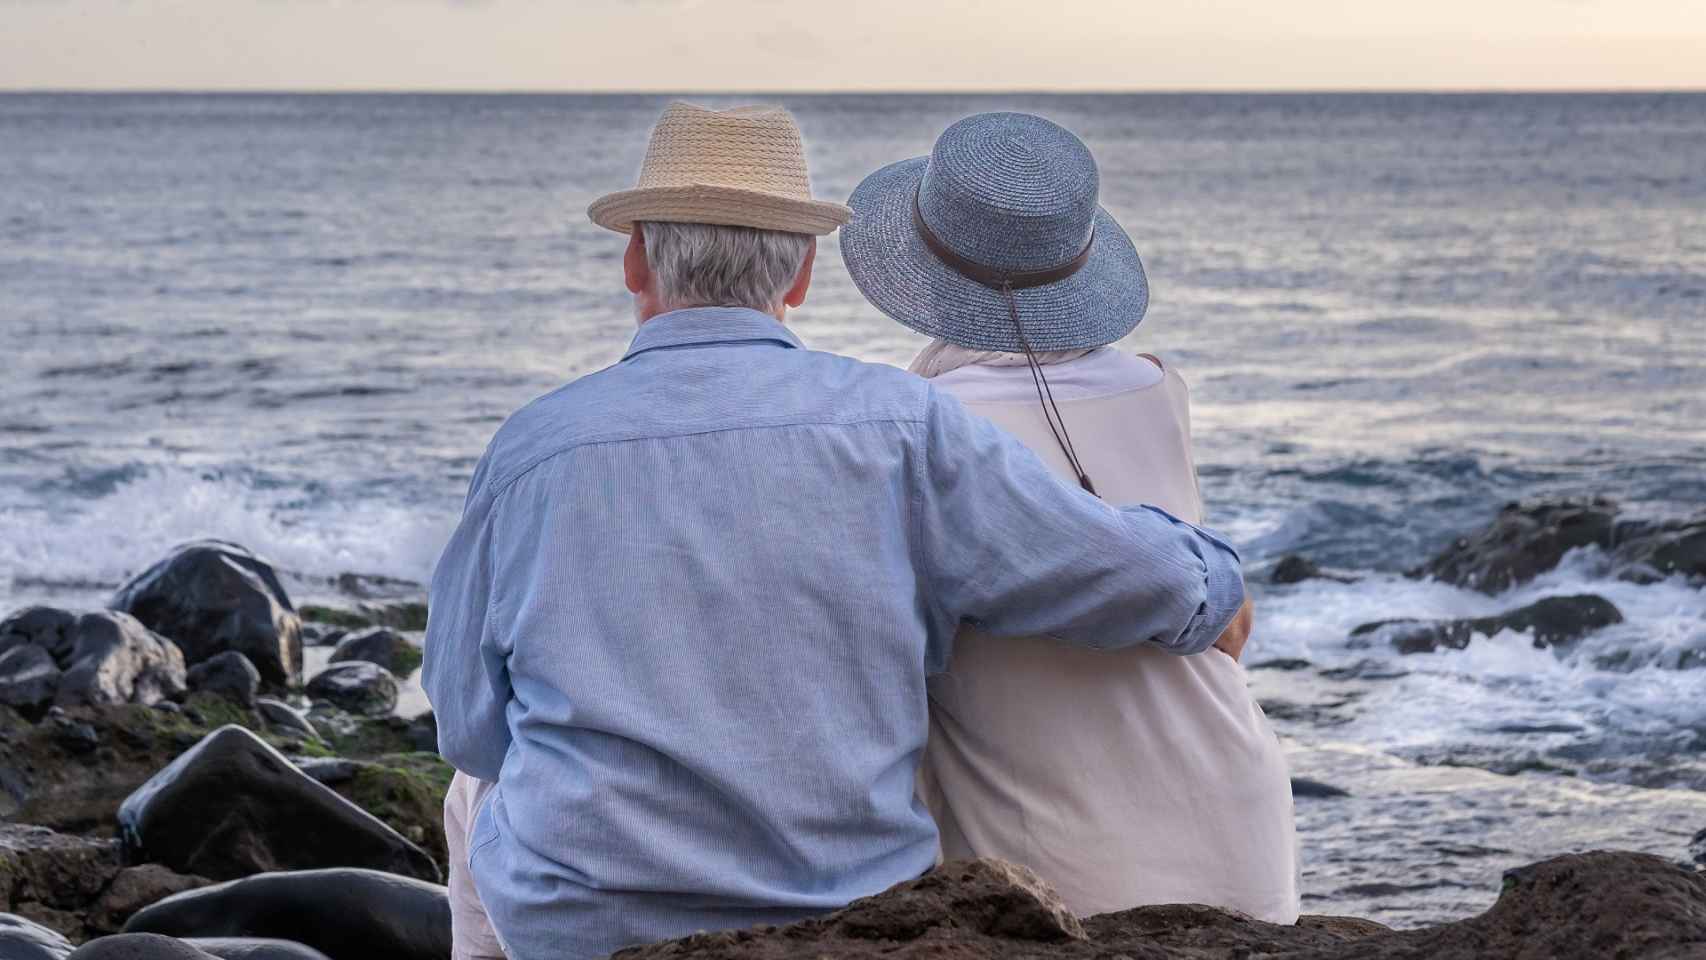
(989, 276)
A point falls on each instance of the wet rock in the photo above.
(131, 890)
(210, 596)
(1295, 568)
(255, 948)
(382, 646)
(1365, 670)
(29, 678)
(1303, 787)
(319, 634)
(233, 806)
(330, 771)
(92, 658)
(1697, 849)
(1523, 541)
(1654, 551)
(1286, 664)
(282, 718)
(345, 914)
(1551, 622)
(139, 946)
(356, 686)
(22, 939)
(229, 675)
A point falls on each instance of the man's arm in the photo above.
(1010, 548)
(464, 673)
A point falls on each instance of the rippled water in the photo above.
(294, 321)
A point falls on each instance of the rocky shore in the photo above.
(173, 785)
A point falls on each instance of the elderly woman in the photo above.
(1125, 778)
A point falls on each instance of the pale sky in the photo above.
(794, 45)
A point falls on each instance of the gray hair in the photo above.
(707, 265)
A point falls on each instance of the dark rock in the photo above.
(1287, 664)
(73, 736)
(345, 914)
(1655, 551)
(1365, 670)
(255, 948)
(1552, 622)
(1524, 541)
(282, 718)
(22, 939)
(131, 890)
(53, 878)
(1595, 905)
(1303, 787)
(233, 806)
(318, 634)
(423, 733)
(1294, 568)
(356, 686)
(139, 946)
(229, 675)
(29, 678)
(97, 658)
(379, 645)
(210, 596)
(46, 627)
(330, 771)
(1697, 849)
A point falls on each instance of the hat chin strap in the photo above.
(1007, 282)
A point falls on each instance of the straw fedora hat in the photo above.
(744, 167)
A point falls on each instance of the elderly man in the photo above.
(685, 623)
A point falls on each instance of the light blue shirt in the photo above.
(687, 617)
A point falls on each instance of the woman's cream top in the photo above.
(1126, 778)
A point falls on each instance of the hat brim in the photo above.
(897, 273)
(720, 205)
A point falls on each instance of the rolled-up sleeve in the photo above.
(1010, 548)
(464, 673)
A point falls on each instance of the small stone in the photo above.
(282, 718)
(380, 645)
(29, 677)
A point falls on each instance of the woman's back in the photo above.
(1123, 778)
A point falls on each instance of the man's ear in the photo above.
(636, 272)
(796, 294)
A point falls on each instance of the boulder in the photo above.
(1657, 550)
(29, 678)
(229, 675)
(1523, 541)
(1552, 622)
(22, 939)
(356, 686)
(345, 914)
(379, 645)
(232, 806)
(1304, 787)
(210, 596)
(139, 946)
(255, 948)
(93, 658)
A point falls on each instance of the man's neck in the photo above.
(645, 314)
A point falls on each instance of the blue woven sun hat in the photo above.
(1002, 196)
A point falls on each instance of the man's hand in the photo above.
(1231, 642)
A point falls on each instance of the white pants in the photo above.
(471, 934)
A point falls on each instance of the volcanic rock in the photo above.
(229, 675)
(1552, 622)
(356, 686)
(1523, 541)
(379, 645)
(210, 596)
(232, 806)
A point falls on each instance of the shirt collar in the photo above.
(696, 326)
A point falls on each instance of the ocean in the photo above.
(294, 321)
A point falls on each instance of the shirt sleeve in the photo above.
(1011, 549)
(463, 672)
